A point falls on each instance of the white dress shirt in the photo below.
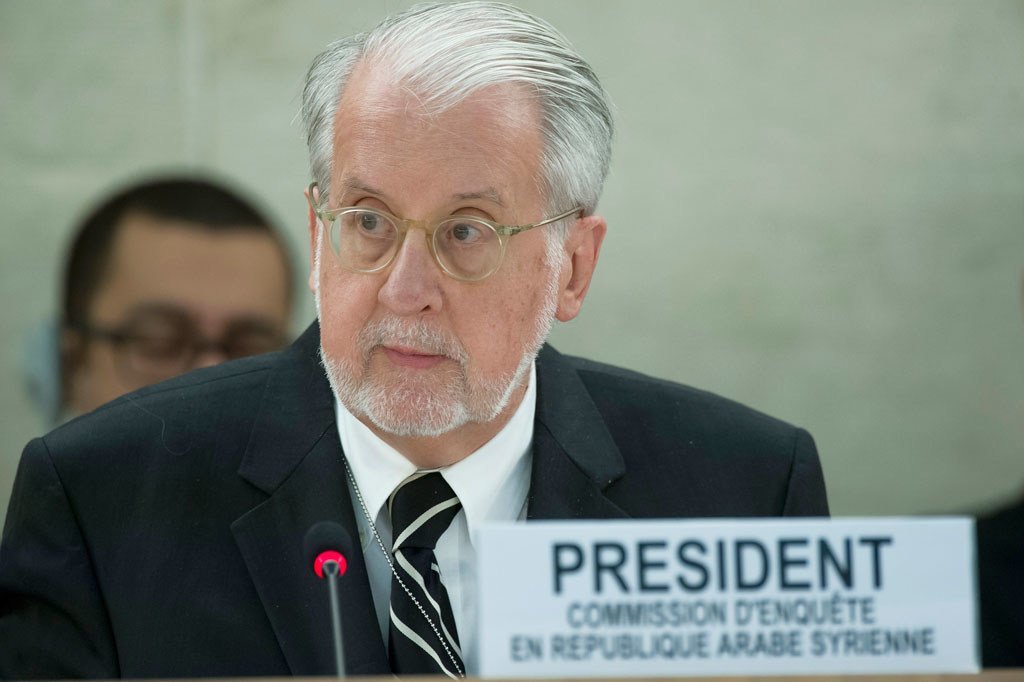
(491, 483)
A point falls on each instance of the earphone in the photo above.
(40, 369)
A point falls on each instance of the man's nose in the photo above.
(413, 282)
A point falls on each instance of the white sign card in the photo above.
(736, 597)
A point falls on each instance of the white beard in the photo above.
(442, 401)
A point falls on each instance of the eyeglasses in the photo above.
(465, 247)
(162, 346)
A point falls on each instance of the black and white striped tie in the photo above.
(422, 639)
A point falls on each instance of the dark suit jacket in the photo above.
(161, 536)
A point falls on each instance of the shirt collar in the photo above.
(492, 483)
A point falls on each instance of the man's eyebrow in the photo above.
(357, 185)
(175, 313)
(488, 194)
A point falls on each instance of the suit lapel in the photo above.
(574, 456)
(295, 457)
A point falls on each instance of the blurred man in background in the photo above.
(166, 276)
(1001, 581)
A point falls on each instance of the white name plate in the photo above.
(736, 597)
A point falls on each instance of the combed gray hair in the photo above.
(446, 52)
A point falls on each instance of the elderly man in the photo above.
(458, 153)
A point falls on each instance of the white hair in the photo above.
(446, 52)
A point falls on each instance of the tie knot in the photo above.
(421, 508)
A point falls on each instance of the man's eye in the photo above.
(369, 222)
(159, 346)
(466, 233)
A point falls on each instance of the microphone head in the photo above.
(326, 541)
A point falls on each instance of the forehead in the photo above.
(386, 136)
(210, 275)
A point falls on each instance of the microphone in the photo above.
(325, 546)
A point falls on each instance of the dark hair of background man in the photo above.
(201, 204)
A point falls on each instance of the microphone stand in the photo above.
(331, 572)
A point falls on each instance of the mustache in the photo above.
(417, 334)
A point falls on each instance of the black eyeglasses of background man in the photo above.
(160, 342)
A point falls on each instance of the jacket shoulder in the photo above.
(174, 417)
(690, 452)
(618, 388)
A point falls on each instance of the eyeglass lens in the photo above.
(367, 240)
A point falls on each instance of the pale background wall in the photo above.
(816, 207)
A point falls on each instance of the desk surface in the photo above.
(1005, 675)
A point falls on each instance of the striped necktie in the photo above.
(422, 639)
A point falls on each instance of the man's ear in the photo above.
(583, 247)
(311, 283)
